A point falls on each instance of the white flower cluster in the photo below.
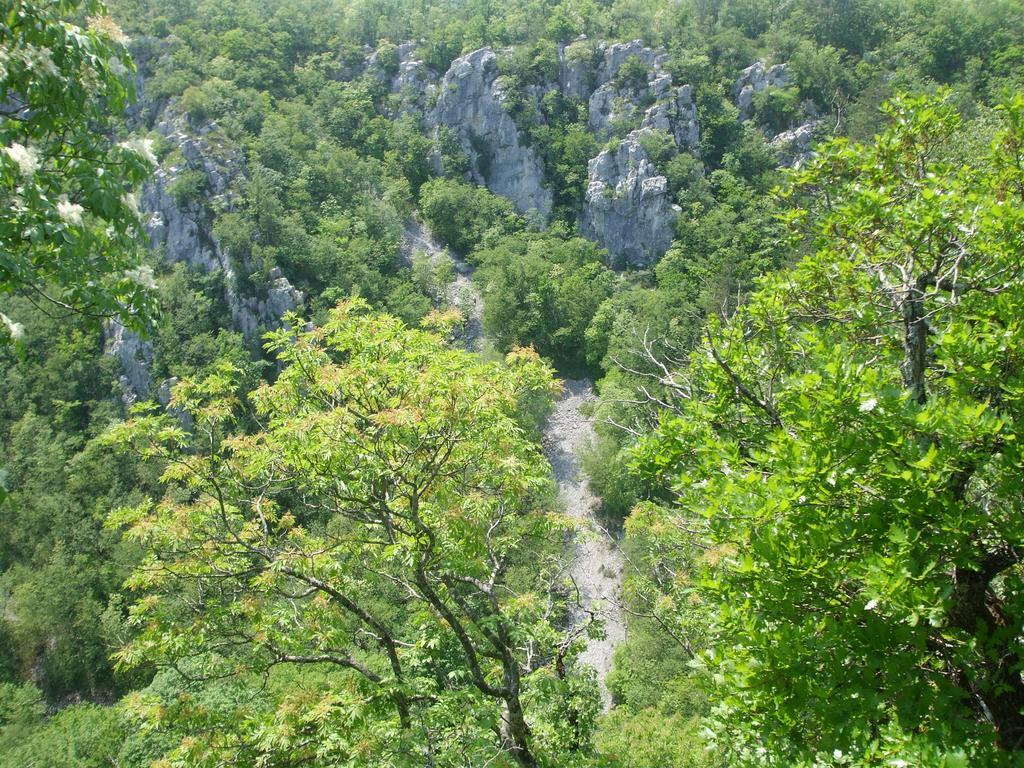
(70, 212)
(17, 330)
(117, 67)
(142, 275)
(131, 201)
(25, 157)
(41, 60)
(143, 147)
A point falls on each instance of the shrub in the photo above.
(188, 187)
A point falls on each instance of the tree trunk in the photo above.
(516, 733)
(915, 342)
(998, 680)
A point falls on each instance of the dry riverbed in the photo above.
(596, 567)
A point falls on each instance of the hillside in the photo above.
(394, 382)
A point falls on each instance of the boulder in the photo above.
(794, 146)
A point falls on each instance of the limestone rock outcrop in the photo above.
(179, 227)
(414, 83)
(755, 79)
(627, 206)
(135, 355)
(471, 102)
(614, 55)
(678, 117)
(576, 71)
(654, 103)
(794, 146)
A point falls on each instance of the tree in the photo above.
(461, 214)
(543, 290)
(387, 522)
(68, 222)
(846, 468)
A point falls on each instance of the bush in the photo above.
(189, 187)
(659, 145)
(777, 108)
(81, 736)
(632, 73)
(543, 290)
(460, 214)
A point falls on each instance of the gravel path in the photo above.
(597, 566)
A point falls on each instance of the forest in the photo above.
(584, 383)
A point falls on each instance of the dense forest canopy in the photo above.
(628, 383)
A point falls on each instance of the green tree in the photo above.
(68, 221)
(846, 467)
(543, 290)
(461, 214)
(375, 526)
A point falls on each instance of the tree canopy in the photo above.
(376, 523)
(845, 466)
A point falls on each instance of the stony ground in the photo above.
(462, 294)
(596, 568)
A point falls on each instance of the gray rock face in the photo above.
(755, 79)
(609, 105)
(615, 56)
(678, 117)
(415, 83)
(135, 356)
(627, 209)
(470, 102)
(181, 231)
(673, 110)
(163, 396)
(794, 146)
(576, 72)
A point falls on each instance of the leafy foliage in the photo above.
(543, 290)
(68, 221)
(463, 215)
(847, 460)
(375, 526)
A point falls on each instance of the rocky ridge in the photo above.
(180, 229)
(626, 208)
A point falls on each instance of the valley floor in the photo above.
(596, 568)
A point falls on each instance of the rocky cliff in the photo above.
(471, 102)
(178, 221)
(793, 145)
(627, 208)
